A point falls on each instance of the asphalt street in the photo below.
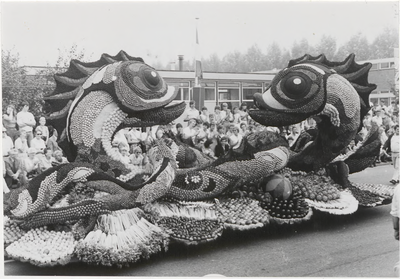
(356, 245)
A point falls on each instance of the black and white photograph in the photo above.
(200, 138)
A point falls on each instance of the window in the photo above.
(249, 89)
(385, 65)
(182, 88)
(209, 91)
(374, 67)
(229, 93)
(392, 65)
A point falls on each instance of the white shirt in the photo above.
(7, 145)
(38, 144)
(192, 113)
(26, 121)
(21, 146)
(395, 143)
(395, 208)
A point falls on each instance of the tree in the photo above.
(302, 48)
(382, 46)
(327, 46)
(255, 59)
(18, 86)
(212, 64)
(358, 44)
(274, 56)
(233, 62)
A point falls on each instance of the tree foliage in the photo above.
(18, 86)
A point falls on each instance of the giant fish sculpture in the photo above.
(112, 214)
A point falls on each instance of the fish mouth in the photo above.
(268, 116)
(157, 116)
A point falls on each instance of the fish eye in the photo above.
(150, 77)
(296, 86)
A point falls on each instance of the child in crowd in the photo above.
(43, 129)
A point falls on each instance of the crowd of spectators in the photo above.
(30, 148)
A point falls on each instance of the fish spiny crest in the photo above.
(68, 85)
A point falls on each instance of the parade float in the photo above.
(100, 211)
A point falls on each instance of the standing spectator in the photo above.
(43, 129)
(21, 143)
(26, 122)
(5, 187)
(13, 168)
(395, 146)
(222, 147)
(30, 165)
(10, 122)
(7, 143)
(204, 115)
(392, 108)
(395, 211)
(52, 141)
(37, 142)
(211, 117)
(45, 162)
(59, 158)
(192, 112)
(377, 119)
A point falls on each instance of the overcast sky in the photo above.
(162, 30)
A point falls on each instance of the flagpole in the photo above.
(198, 69)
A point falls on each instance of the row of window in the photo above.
(216, 92)
(383, 65)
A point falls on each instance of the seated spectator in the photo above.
(123, 149)
(236, 117)
(45, 162)
(30, 165)
(204, 117)
(220, 132)
(5, 187)
(203, 131)
(59, 159)
(136, 158)
(52, 141)
(13, 168)
(243, 129)
(135, 136)
(21, 143)
(226, 114)
(7, 142)
(200, 144)
(244, 113)
(120, 137)
(217, 115)
(179, 129)
(222, 147)
(211, 118)
(190, 132)
(38, 143)
(43, 129)
(235, 139)
(207, 150)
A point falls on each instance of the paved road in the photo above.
(357, 245)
